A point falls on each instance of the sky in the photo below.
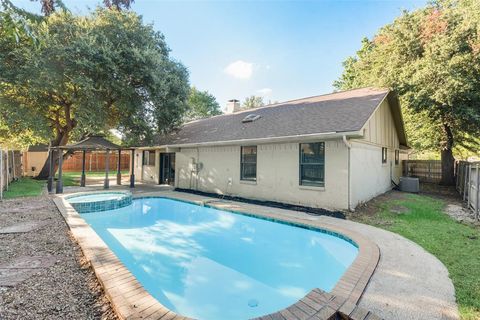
(281, 50)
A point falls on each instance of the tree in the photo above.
(118, 4)
(14, 22)
(90, 74)
(431, 57)
(50, 6)
(253, 102)
(201, 104)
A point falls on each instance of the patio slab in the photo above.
(23, 227)
(22, 268)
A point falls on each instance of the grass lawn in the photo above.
(73, 178)
(24, 187)
(457, 245)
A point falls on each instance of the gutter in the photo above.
(349, 146)
(293, 138)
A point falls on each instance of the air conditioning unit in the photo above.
(409, 184)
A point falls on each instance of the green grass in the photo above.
(24, 187)
(457, 245)
(73, 178)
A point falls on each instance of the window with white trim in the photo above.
(312, 164)
(248, 163)
(148, 157)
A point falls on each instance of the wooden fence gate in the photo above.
(424, 170)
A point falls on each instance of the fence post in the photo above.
(1, 174)
(469, 184)
(59, 186)
(8, 171)
(477, 209)
(106, 182)
(429, 171)
(465, 181)
(51, 172)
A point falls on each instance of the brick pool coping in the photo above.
(131, 301)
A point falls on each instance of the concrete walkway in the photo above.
(409, 283)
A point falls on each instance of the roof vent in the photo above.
(251, 117)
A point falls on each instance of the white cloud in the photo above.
(265, 92)
(239, 69)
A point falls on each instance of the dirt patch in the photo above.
(447, 193)
(68, 289)
(459, 213)
(371, 208)
(397, 209)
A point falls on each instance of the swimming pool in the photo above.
(207, 263)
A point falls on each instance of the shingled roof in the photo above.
(94, 142)
(340, 112)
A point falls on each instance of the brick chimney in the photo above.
(232, 106)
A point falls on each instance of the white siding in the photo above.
(369, 176)
(147, 174)
(277, 174)
(380, 129)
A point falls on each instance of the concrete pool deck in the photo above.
(408, 282)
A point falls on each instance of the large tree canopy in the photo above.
(253, 102)
(431, 57)
(201, 104)
(89, 74)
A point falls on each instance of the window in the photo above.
(384, 155)
(397, 157)
(248, 163)
(149, 157)
(312, 164)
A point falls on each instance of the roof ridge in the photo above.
(323, 95)
(282, 103)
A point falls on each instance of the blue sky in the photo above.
(279, 49)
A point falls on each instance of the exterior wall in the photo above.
(33, 159)
(370, 177)
(147, 174)
(137, 168)
(277, 174)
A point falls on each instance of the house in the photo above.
(332, 151)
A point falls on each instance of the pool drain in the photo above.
(253, 303)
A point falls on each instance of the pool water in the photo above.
(211, 264)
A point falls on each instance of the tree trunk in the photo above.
(61, 140)
(448, 161)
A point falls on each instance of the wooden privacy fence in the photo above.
(424, 170)
(95, 161)
(10, 167)
(468, 185)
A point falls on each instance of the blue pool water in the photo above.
(212, 264)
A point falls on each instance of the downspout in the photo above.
(349, 146)
(194, 170)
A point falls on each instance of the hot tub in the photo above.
(99, 201)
